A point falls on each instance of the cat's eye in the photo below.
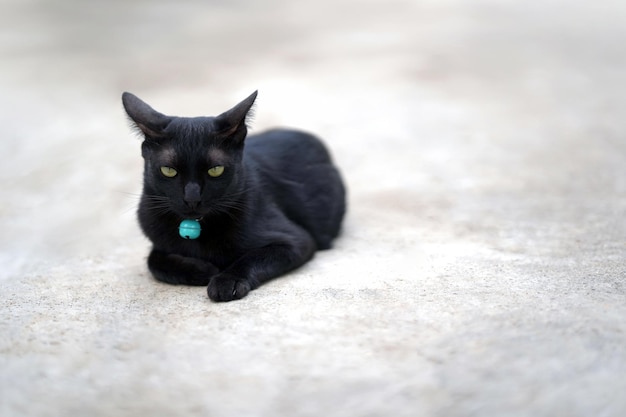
(169, 172)
(216, 171)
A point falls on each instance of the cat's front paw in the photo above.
(227, 287)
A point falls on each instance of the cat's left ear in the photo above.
(233, 122)
(149, 121)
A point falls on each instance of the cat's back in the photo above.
(286, 146)
(296, 169)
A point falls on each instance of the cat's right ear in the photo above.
(149, 121)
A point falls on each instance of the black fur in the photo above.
(279, 199)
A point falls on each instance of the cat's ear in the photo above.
(233, 121)
(149, 121)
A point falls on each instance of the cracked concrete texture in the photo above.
(482, 265)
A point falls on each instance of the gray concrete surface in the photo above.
(481, 270)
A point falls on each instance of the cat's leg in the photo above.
(177, 269)
(325, 204)
(260, 265)
(319, 206)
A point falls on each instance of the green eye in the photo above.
(216, 171)
(169, 172)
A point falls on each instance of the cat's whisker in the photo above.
(242, 191)
(230, 204)
(155, 197)
(129, 209)
(131, 196)
(157, 204)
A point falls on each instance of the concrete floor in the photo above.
(482, 266)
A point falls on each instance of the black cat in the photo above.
(227, 215)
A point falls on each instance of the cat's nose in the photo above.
(192, 195)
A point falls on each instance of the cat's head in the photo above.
(193, 166)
